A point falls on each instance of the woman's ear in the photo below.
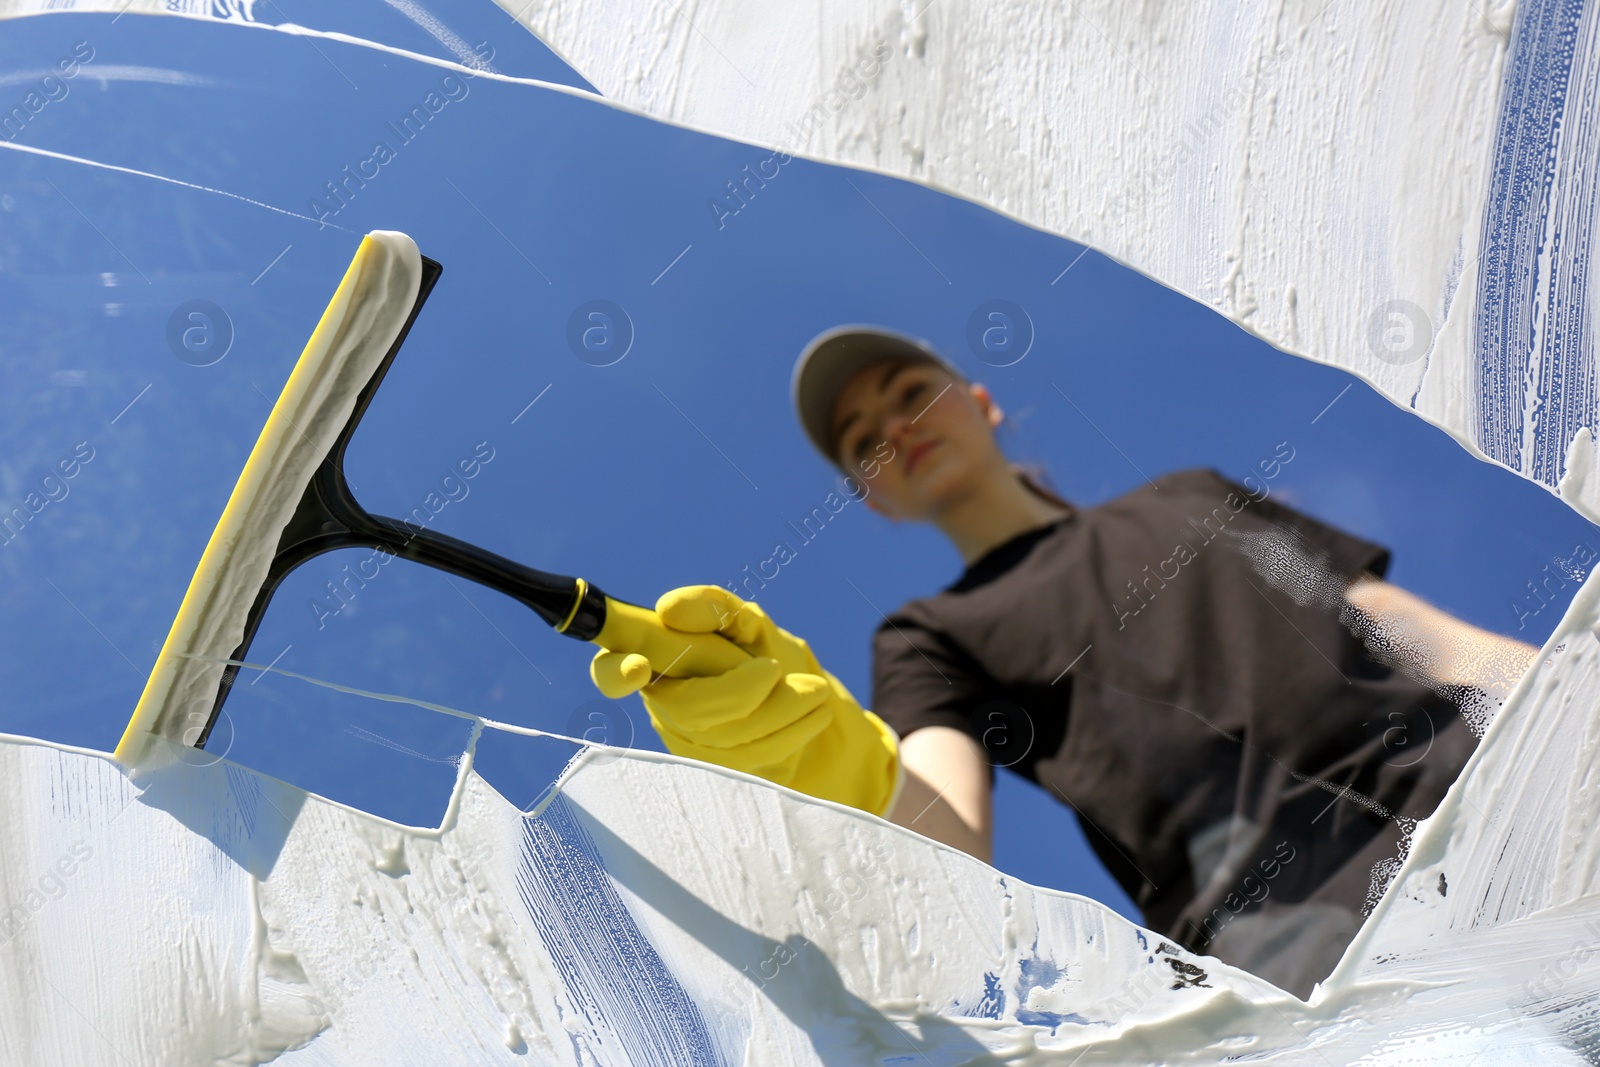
(992, 414)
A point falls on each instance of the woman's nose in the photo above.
(895, 427)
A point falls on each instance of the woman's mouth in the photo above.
(915, 454)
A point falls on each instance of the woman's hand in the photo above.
(777, 715)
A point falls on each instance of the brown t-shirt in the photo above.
(1172, 665)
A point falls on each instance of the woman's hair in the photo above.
(1036, 481)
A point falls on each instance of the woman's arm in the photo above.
(946, 793)
(1401, 627)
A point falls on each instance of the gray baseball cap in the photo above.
(837, 355)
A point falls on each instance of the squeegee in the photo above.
(292, 503)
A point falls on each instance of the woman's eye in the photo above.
(912, 392)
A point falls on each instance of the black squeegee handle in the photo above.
(328, 518)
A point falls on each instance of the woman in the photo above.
(1246, 719)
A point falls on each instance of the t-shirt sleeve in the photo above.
(919, 679)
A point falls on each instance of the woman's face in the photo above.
(919, 438)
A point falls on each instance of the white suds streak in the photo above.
(609, 968)
(271, 665)
(391, 698)
(1533, 261)
(153, 75)
(68, 158)
(440, 32)
(361, 734)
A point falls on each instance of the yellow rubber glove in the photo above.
(777, 715)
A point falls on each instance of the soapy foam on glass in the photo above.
(600, 930)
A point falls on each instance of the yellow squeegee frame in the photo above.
(367, 312)
(291, 503)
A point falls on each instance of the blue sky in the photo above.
(678, 463)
